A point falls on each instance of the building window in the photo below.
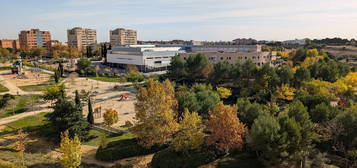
(221, 58)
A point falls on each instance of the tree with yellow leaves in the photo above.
(110, 117)
(224, 92)
(312, 53)
(308, 61)
(21, 142)
(190, 135)
(156, 115)
(71, 150)
(321, 88)
(283, 54)
(226, 131)
(285, 92)
(346, 83)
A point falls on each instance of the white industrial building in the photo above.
(147, 58)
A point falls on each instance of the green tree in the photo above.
(177, 69)
(90, 117)
(196, 65)
(346, 132)
(322, 113)
(222, 71)
(248, 112)
(68, 116)
(299, 113)
(286, 74)
(302, 74)
(54, 92)
(85, 67)
(264, 137)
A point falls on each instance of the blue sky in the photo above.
(185, 19)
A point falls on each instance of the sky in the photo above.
(201, 20)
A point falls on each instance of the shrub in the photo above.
(124, 149)
(168, 158)
(6, 164)
(134, 77)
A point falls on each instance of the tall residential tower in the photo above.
(122, 36)
(35, 38)
(79, 37)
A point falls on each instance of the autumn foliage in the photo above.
(71, 150)
(155, 114)
(110, 117)
(226, 131)
(190, 135)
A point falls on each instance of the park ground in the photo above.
(28, 112)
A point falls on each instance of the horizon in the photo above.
(198, 20)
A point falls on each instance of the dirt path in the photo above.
(13, 89)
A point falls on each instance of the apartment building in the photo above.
(122, 36)
(80, 37)
(14, 44)
(35, 38)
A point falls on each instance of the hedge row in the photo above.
(124, 149)
(168, 158)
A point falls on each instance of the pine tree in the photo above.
(68, 116)
(60, 69)
(90, 117)
(77, 100)
(56, 76)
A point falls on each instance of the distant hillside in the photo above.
(347, 54)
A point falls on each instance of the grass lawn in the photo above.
(37, 88)
(110, 137)
(20, 105)
(3, 88)
(107, 79)
(28, 123)
(5, 68)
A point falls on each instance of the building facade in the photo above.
(14, 44)
(295, 42)
(244, 41)
(225, 48)
(80, 38)
(147, 58)
(35, 38)
(259, 58)
(122, 36)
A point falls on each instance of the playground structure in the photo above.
(124, 96)
(16, 68)
(98, 112)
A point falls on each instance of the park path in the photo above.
(40, 109)
(13, 89)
